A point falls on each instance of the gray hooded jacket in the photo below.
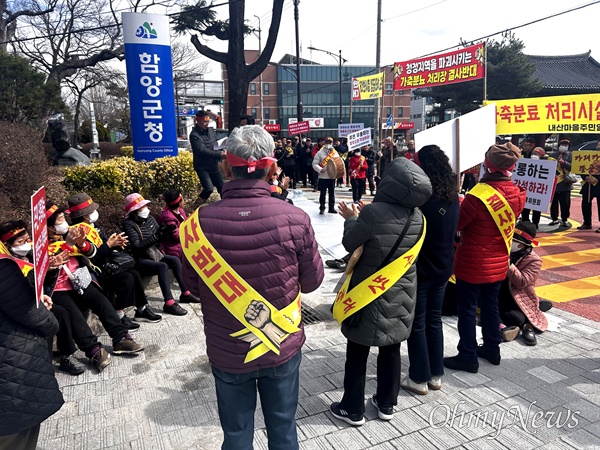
(388, 319)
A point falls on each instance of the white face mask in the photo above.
(328, 146)
(563, 148)
(535, 156)
(357, 153)
(144, 213)
(515, 247)
(22, 250)
(94, 216)
(62, 228)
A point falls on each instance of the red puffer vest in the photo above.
(482, 256)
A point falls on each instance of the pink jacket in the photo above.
(172, 245)
(522, 277)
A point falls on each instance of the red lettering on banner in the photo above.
(187, 238)
(495, 202)
(508, 232)
(234, 285)
(203, 258)
(379, 279)
(350, 304)
(504, 219)
(409, 260)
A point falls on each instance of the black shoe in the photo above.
(71, 365)
(384, 412)
(321, 211)
(492, 357)
(336, 264)
(545, 305)
(147, 315)
(565, 224)
(585, 226)
(129, 324)
(174, 309)
(188, 298)
(456, 364)
(554, 222)
(332, 211)
(529, 335)
(353, 419)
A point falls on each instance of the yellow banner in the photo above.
(499, 209)
(365, 88)
(55, 247)
(585, 162)
(259, 317)
(548, 115)
(91, 233)
(347, 303)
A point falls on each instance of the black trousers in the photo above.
(291, 171)
(510, 313)
(23, 440)
(127, 287)
(388, 376)
(64, 337)
(210, 179)
(535, 217)
(326, 186)
(306, 175)
(371, 180)
(586, 206)
(97, 302)
(358, 187)
(161, 269)
(564, 199)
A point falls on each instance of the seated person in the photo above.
(144, 234)
(279, 186)
(127, 284)
(172, 214)
(518, 303)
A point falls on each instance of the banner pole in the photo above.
(351, 104)
(457, 147)
(393, 106)
(485, 74)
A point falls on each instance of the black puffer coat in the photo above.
(29, 392)
(388, 319)
(141, 235)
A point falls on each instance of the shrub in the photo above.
(108, 150)
(172, 172)
(127, 150)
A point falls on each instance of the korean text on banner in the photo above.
(537, 178)
(41, 261)
(344, 129)
(586, 162)
(549, 115)
(466, 64)
(359, 139)
(299, 128)
(365, 88)
(313, 122)
(150, 84)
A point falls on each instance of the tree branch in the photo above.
(207, 51)
(104, 55)
(27, 12)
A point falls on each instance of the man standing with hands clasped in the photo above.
(206, 159)
(249, 256)
(326, 183)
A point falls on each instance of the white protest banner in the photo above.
(359, 138)
(536, 176)
(344, 129)
(314, 122)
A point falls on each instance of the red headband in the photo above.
(51, 211)
(133, 203)
(80, 206)
(527, 237)
(177, 200)
(252, 163)
(11, 234)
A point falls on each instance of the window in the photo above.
(266, 88)
(252, 88)
(401, 112)
(253, 112)
(388, 89)
(267, 113)
(388, 112)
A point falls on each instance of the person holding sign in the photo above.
(377, 301)
(535, 153)
(326, 158)
(487, 222)
(590, 189)
(248, 257)
(564, 185)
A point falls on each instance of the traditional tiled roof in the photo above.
(574, 74)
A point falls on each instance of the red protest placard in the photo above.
(462, 65)
(405, 126)
(273, 128)
(299, 128)
(40, 241)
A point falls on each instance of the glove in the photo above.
(165, 230)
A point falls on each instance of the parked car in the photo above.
(589, 145)
(183, 144)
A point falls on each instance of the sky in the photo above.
(410, 30)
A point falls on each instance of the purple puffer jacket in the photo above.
(172, 245)
(270, 244)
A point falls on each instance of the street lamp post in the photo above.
(299, 105)
(340, 61)
(260, 82)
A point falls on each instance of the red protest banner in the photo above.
(404, 126)
(272, 128)
(299, 128)
(40, 241)
(462, 65)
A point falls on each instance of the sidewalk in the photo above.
(546, 396)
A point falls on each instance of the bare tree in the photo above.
(8, 21)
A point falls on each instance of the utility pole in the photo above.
(377, 113)
(340, 61)
(299, 105)
(260, 83)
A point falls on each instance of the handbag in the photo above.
(118, 262)
(569, 178)
(80, 279)
(354, 320)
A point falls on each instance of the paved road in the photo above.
(539, 397)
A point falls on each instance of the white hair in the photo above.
(250, 141)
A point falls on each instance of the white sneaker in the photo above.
(410, 385)
(435, 384)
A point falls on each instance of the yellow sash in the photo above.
(55, 247)
(347, 303)
(499, 208)
(327, 158)
(25, 266)
(91, 233)
(261, 319)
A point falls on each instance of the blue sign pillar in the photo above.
(150, 85)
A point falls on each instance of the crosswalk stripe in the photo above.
(569, 259)
(570, 290)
